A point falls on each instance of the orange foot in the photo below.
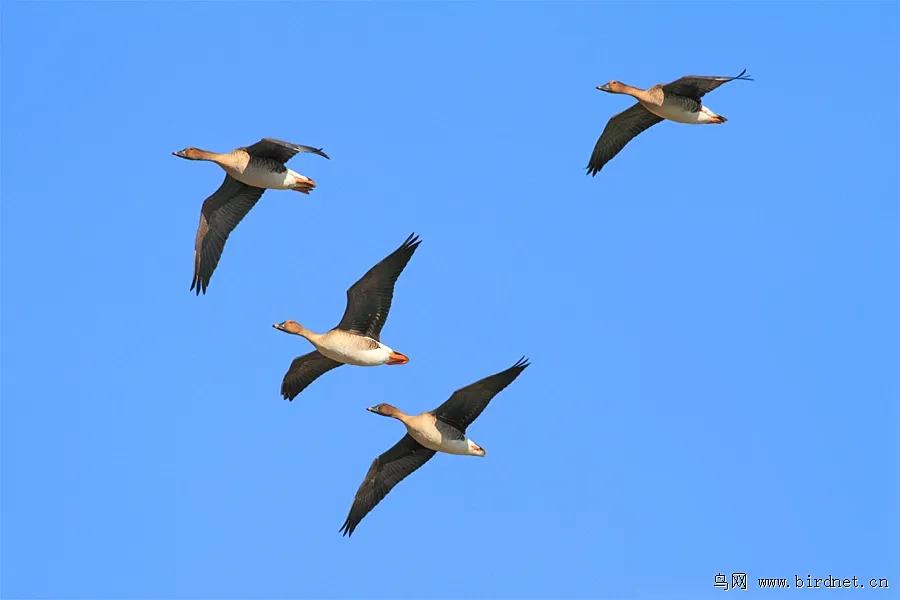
(397, 359)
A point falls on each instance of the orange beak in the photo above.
(397, 359)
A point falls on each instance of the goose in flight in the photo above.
(676, 101)
(249, 172)
(440, 430)
(355, 340)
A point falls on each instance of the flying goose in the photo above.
(355, 340)
(677, 101)
(249, 172)
(440, 430)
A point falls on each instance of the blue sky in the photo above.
(712, 320)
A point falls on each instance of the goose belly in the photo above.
(679, 114)
(359, 357)
(456, 447)
(432, 439)
(263, 178)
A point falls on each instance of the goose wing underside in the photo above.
(464, 406)
(280, 150)
(696, 86)
(369, 299)
(220, 214)
(386, 471)
(303, 371)
(620, 130)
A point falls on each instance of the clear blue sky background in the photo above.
(712, 320)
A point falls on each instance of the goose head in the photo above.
(385, 410)
(190, 153)
(613, 87)
(290, 327)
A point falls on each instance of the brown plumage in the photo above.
(248, 173)
(440, 430)
(357, 338)
(677, 101)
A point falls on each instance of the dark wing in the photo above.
(219, 215)
(280, 150)
(466, 404)
(369, 299)
(386, 471)
(618, 132)
(695, 86)
(303, 371)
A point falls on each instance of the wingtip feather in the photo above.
(411, 242)
(346, 529)
(197, 287)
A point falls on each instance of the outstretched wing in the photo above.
(369, 299)
(466, 404)
(386, 471)
(219, 215)
(303, 371)
(280, 150)
(695, 86)
(619, 131)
